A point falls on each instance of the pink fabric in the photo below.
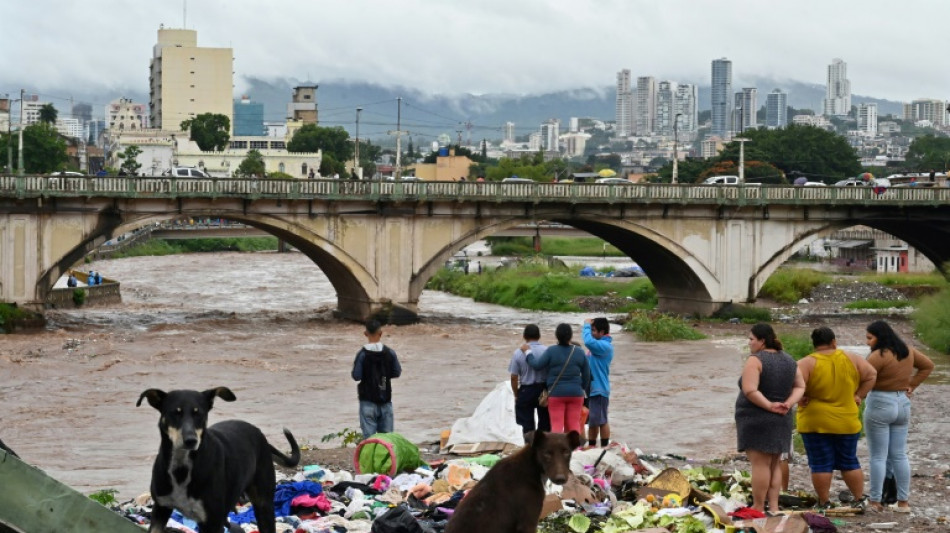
(565, 413)
(307, 501)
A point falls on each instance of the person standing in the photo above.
(900, 370)
(770, 384)
(71, 281)
(598, 341)
(568, 378)
(836, 382)
(375, 367)
(527, 384)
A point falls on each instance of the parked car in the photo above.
(614, 181)
(68, 173)
(815, 184)
(722, 180)
(853, 182)
(516, 179)
(186, 172)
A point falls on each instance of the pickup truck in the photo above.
(726, 180)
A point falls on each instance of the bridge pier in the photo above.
(385, 311)
(688, 306)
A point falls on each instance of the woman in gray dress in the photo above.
(771, 384)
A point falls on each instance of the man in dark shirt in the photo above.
(375, 367)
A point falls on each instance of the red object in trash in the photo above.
(584, 412)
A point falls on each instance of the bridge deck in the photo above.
(423, 191)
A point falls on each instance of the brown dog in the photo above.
(509, 498)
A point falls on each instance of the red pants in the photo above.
(565, 413)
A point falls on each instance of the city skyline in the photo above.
(431, 46)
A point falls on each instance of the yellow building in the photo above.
(187, 81)
(445, 168)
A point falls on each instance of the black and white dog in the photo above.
(203, 471)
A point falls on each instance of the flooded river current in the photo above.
(262, 325)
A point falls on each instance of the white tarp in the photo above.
(493, 420)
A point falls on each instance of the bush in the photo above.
(280, 176)
(163, 247)
(798, 345)
(660, 327)
(10, 313)
(933, 321)
(745, 313)
(79, 297)
(907, 280)
(878, 304)
(789, 285)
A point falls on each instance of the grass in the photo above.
(934, 279)
(577, 246)
(878, 304)
(932, 321)
(798, 345)
(789, 285)
(184, 246)
(10, 313)
(541, 288)
(651, 326)
(746, 314)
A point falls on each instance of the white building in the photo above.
(69, 127)
(812, 120)
(867, 119)
(509, 132)
(574, 125)
(124, 114)
(5, 114)
(549, 135)
(838, 91)
(746, 107)
(624, 105)
(934, 111)
(575, 143)
(665, 107)
(645, 112)
(721, 111)
(31, 110)
(776, 109)
(686, 104)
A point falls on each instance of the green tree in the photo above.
(688, 171)
(369, 153)
(410, 153)
(334, 142)
(928, 152)
(253, 165)
(330, 166)
(48, 114)
(44, 149)
(812, 151)
(129, 157)
(211, 131)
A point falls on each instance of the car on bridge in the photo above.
(186, 172)
(614, 181)
(853, 182)
(516, 179)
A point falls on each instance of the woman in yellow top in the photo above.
(835, 384)
(900, 370)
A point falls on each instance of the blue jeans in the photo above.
(886, 419)
(376, 418)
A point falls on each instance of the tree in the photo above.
(129, 157)
(369, 153)
(44, 149)
(253, 165)
(688, 171)
(812, 151)
(330, 166)
(929, 153)
(334, 142)
(211, 131)
(48, 114)
(410, 153)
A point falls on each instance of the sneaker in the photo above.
(824, 506)
(845, 496)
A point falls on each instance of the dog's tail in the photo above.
(294, 458)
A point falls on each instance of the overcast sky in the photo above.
(486, 46)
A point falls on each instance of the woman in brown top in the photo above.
(900, 370)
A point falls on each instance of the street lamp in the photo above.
(356, 161)
(741, 142)
(676, 158)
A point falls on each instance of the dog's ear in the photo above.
(155, 398)
(221, 392)
(574, 439)
(535, 438)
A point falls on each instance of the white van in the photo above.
(722, 180)
(186, 172)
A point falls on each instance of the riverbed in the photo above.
(262, 324)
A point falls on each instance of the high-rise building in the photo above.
(665, 107)
(867, 119)
(934, 111)
(82, 112)
(686, 105)
(248, 117)
(624, 110)
(573, 125)
(187, 80)
(721, 96)
(31, 109)
(776, 109)
(69, 127)
(5, 113)
(838, 91)
(303, 105)
(549, 135)
(746, 107)
(509, 132)
(646, 105)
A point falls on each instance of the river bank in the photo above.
(262, 325)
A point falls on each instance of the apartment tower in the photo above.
(624, 110)
(646, 105)
(867, 119)
(838, 91)
(721, 96)
(776, 109)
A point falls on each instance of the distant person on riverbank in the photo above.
(770, 384)
(836, 382)
(598, 341)
(568, 378)
(71, 281)
(527, 384)
(375, 367)
(900, 370)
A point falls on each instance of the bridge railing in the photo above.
(171, 187)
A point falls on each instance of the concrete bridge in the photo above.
(380, 242)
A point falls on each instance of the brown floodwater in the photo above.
(260, 323)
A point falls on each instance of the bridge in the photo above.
(379, 242)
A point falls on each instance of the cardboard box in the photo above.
(552, 504)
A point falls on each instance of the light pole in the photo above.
(741, 142)
(19, 150)
(356, 160)
(676, 157)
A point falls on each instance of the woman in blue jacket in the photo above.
(568, 378)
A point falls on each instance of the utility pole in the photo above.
(19, 150)
(676, 157)
(356, 160)
(460, 137)
(398, 133)
(741, 142)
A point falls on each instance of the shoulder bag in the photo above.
(543, 399)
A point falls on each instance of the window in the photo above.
(280, 167)
(277, 145)
(303, 169)
(181, 172)
(238, 144)
(258, 145)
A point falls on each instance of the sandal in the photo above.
(901, 509)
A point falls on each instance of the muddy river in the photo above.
(261, 324)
